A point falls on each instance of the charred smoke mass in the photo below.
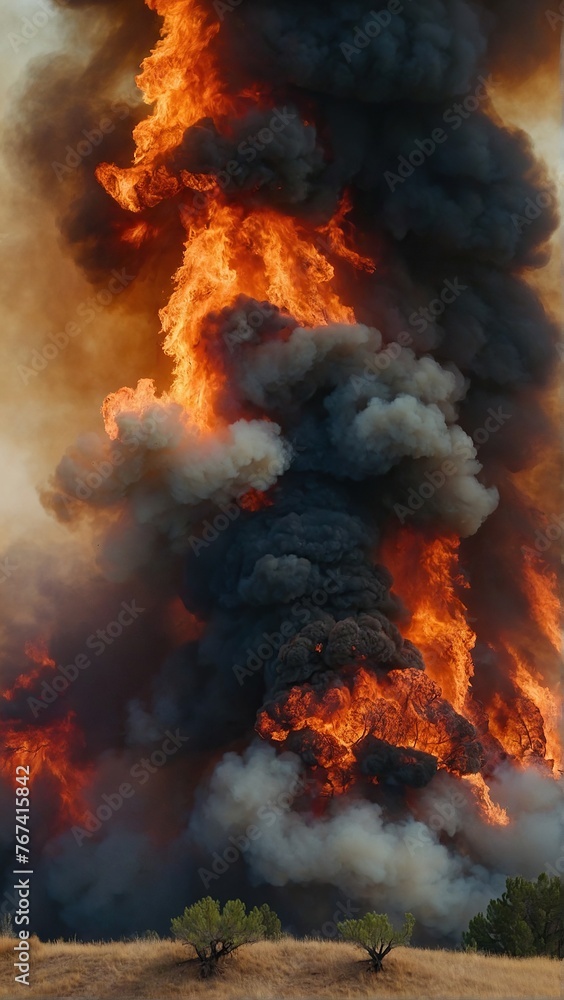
(346, 479)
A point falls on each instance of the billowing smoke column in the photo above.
(361, 370)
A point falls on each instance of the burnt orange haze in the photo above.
(232, 250)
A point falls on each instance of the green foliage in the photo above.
(376, 934)
(270, 920)
(214, 933)
(526, 920)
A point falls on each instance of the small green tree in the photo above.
(526, 920)
(270, 920)
(376, 934)
(214, 933)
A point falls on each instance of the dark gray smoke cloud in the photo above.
(334, 425)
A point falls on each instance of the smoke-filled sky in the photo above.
(249, 561)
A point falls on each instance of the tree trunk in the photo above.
(208, 966)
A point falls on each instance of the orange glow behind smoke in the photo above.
(47, 749)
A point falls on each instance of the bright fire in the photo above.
(403, 708)
(230, 250)
(49, 748)
(426, 575)
(428, 579)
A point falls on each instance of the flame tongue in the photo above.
(50, 752)
(49, 749)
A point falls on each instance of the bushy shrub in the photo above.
(376, 934)
(214, 933)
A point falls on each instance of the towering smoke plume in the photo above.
(347, 478)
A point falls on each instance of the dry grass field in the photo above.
(271, 971)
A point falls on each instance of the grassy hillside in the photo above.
(272, 971)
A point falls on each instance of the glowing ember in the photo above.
(49, 751)
(340, 723)
(37, 653)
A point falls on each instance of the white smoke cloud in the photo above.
(389, 865)
(166, 468)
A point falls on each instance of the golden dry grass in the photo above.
(283, 970)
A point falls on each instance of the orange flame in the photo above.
(495, 815)
(228, 251)
(426, 575)
(48, 749)
(403, 708)
(39, 654)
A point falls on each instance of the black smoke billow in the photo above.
(331, 442)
